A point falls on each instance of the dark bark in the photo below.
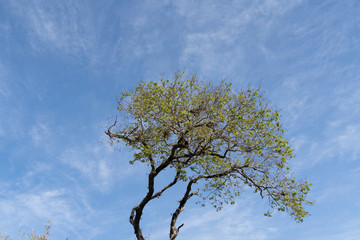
(174, 231)
(137, 211)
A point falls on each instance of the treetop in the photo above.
(211, 134)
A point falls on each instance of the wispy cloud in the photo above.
(233, 222)
(338, 136)
(220, 36)
(98, 164)
(40, 133)
(350, 230)
(11, 114)
(38, 206)
(60, 26)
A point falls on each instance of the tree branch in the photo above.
(176, 178)
(137, 211)
(174, 231)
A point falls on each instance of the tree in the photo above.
(217, 141)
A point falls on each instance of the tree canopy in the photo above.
(216, 140)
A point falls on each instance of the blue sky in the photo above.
(63, 62)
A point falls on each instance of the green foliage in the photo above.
(4, 237)
(229, 141)
(34, 235)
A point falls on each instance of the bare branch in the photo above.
(174, 231)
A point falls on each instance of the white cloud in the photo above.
(218, 34)
(349, 230)
(33, 209)
(347, 143)
(60, 26)
(14, 109)
(233, 222)
(40, 133)
(341, 144)
(340, 138)
(101, 165)
(347, 100)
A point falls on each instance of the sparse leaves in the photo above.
(33, 236)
